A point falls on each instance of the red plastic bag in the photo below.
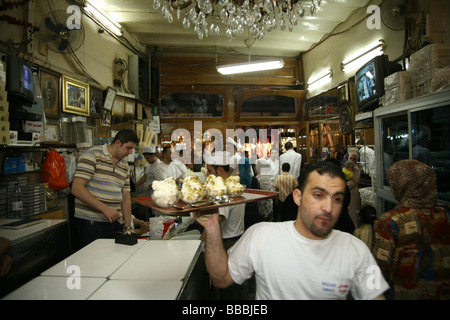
(54, 171)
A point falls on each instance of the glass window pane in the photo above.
(191, 104)
(431, 144)
(395, 142)
(270, 106)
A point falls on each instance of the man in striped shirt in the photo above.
(101, 187)
(285, 183)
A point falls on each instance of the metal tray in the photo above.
(249, 195)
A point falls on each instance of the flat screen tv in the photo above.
(369, 81)
(19, 81)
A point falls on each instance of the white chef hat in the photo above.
(180, 146)
(149, 150)
(218, 158)
(231, 141)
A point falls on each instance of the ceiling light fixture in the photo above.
(103, 18)
(320, 80)
(363, 56)
(251, 66)
(258, 16)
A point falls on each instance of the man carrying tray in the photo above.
(301, 259)
(231, 218)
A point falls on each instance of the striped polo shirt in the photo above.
(106, 182)
(285, 183)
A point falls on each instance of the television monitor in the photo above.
(19, 81)
(369, 82)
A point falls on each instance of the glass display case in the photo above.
(415, 129)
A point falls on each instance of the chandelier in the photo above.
(257, 16)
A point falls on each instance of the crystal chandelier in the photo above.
(258, 16)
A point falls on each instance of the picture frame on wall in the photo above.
(51, 133)
(119, 107)
(75, 96)
(130, 107)
(96, 101)
(50, 85)
(139, 111)
(110, 97)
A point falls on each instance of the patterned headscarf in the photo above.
(413, 184)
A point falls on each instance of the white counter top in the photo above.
(138, 290)
(159, 260)
(99, 259)
(55, 288)
(21, 234)
(150, 269)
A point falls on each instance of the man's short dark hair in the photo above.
(165, 149)
(226, 168)
(126, 135)
(288, 145)
(322, 167)
(286, 167)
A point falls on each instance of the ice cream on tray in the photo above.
(192, 190)
(166, 192)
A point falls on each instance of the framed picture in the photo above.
(119, 106)
(129, 107)
(51, 134)
(75, 96)
(110, 96)
(96, 101)
(106, 119)
(139, 111)
(50, 85)
(89, 136)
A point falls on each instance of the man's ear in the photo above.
(297, 196)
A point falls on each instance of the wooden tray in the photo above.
(249, 195)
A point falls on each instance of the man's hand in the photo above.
(111, 214)
(207, 217)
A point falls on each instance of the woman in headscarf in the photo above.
(353, 185)
(412, 241)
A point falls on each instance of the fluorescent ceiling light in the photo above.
(320, 80)
(358, 59)
(251, 66)
(103, 18)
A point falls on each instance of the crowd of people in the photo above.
(313, 242)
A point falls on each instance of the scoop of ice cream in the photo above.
(234, 186)
(192, 190)
(215, 186)
(166, 192)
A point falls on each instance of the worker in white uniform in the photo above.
(293, 158)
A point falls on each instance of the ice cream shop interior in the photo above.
(169, 90)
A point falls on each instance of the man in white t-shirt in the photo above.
(293, 158)
(301, 259)
(149, 173)
(166, 168)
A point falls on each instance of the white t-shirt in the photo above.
(294, 159)
(233, 223)
(289, 266)
(150, 172)
(164, 171)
